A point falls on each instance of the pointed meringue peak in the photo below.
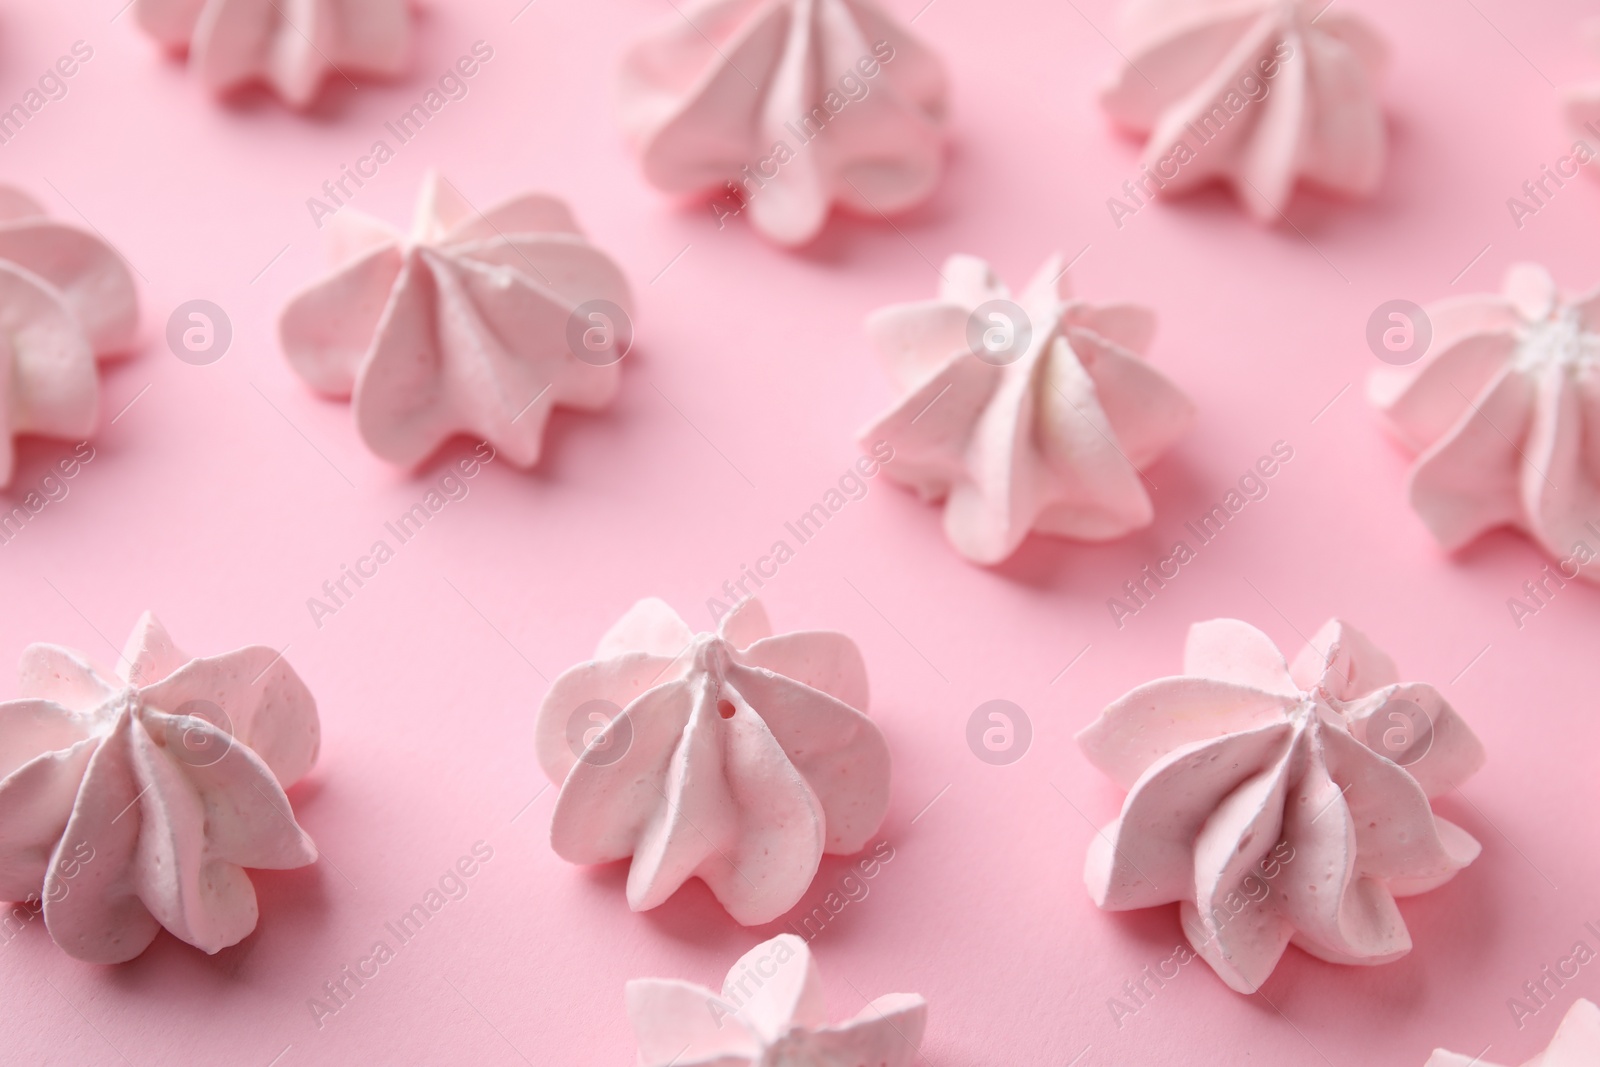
(1280, 803)
(478, 323)
(785, 109)
(293, 47)
(1503, 409)
(1259, 94)
(67, 301)
(1576, 1044)
(134, 801)
(1034, 412)
(736, 757)
(770, 1011)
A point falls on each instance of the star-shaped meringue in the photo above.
(66, 301)
(795, 105)
(1505, 411)
(736, 757)
(293, 46)
(1576, 1044)
(770, 1013)
(1280, 805)
(1046, 430)
(1257, 93)
(471, 325)
(133, 803)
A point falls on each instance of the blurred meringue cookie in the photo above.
(66, 301)
(1504, 410)
(1576, 1044)
(1580, 106)
(736, 757)
(771, 1011)
(478, 323)
(134, 802)
(292, 46)
(790, 105)
(1033, 414)
(1280, 804)
(1256, 93)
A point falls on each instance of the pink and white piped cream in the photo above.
(133, 802)
(736, 757)
(1280, 805)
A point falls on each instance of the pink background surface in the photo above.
(226, 494)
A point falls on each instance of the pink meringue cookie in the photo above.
(770, 1012)
(1261, 798)
(795, 105)
(470, 325)
(292, 46)
(1505, 411)
(132, 803)
(1049, 436)
(66, 301)
(1576, 1044)
(736, 757)
(1255, 93)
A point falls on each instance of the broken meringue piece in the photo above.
(1576, 1044)
(478, 323)
(1280, 804)
(1504, 410)
(67, 301)
(1032, 414)
(292, 46)
(736, 757)
(791, 105)
(771, 1011)
(134, 802)
(1257, 93)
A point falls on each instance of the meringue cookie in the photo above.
(1505, 411)
(1576, 1044)
(134, 803)
(468, 326)
(1255, 93)
(1280, 804)
(795, 105)
(292, 46)
(1050, 435)
(66, 301)
(736, 757)
(770, 1012)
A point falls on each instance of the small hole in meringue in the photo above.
(726, 709)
